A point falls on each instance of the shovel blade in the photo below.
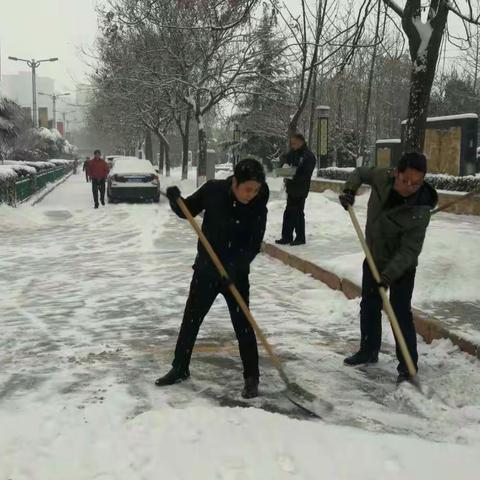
(307, 401)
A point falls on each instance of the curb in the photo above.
(428, 327)
(49, 189)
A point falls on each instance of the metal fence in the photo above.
(19, 191)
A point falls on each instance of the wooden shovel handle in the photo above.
(387, 306)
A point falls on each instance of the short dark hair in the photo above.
(97, 151)
(249, 169)
(299, 136)
(415, 160)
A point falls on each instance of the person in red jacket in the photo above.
(97, 171)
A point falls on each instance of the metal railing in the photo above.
(18, 191)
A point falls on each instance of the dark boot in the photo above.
(403, 377)
(297, 242)
(282, 241)
(172, 377)
(361, 357)
(250, 390)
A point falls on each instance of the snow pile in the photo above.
(206, 442)
(52, 135)
(7, 173)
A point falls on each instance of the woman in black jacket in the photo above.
(235, 216)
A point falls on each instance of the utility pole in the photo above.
(34, 64)
(54, 101)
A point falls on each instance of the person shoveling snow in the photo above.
(235, 216)
(398, 215)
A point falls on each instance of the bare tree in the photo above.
(425, 37)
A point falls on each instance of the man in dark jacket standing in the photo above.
(97, 171)
(85, 168)
(297, 187)
(234, 223)
(397, 219)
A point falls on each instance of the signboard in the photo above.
(323, 137)
(43, 117)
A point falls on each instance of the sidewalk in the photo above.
(448, 279)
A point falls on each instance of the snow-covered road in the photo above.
(91, 302)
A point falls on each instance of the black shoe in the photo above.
(250, 390)
(172, 377)
(103, 202)
(96, 206)
(360, 358)
(282, 241)
(297, 242)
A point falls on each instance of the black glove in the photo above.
(347, 199)
(173, 193)
(384, 282)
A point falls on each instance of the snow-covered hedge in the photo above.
(60, 161)
(439, 181)
(7, 173)
(11, 171)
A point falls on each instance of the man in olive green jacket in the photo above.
(397, 219)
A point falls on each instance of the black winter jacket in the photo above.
(304, 160)
(235, 230)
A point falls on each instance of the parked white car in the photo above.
(133, 179)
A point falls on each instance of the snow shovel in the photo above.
(454, 202)
(412, 371)
(294, 392)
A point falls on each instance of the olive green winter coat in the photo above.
(394, 235)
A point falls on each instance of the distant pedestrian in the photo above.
(85, 169)
(297, 187)
(98, 170)
(75, 165)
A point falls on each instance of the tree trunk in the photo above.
(202, 151)
(185, 146)
(148, 146)
(424, 55)
(167, 158)
(162, 155)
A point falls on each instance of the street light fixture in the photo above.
(34, 64)
(54, 101)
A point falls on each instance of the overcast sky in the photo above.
(48, 28)
(54, 28)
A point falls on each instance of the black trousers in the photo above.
(203, 291)
(86, 176)
(98, 186)
(371, 314)
(294, 219)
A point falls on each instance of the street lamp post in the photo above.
(54, 101)
(33, 64)
(323, 112)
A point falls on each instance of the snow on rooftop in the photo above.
(389, 140)
(461, 116)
